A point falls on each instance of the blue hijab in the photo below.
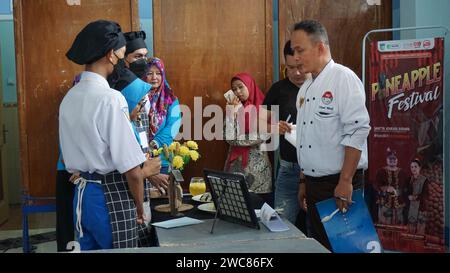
(133, 93)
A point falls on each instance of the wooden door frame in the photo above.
(20, 80)
(4, 202)
(21, 84)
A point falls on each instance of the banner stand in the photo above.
(390, 30)
(446, 145)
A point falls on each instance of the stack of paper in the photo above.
(292, 136)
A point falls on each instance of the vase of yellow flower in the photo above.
(178, 155)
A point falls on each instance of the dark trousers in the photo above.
(267, 197)
(302, 223)
(319, 189)
(64, 210)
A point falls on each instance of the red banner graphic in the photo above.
(405, 191)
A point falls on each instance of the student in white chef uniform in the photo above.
(97, 141)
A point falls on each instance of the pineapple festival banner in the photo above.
(405, 191)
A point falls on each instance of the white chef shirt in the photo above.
(331, 115)
(94, 129)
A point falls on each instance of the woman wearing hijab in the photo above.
(245, 155)
(135, 94)
(163, 110)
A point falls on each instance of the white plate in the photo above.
(197, 198)
(208, 207)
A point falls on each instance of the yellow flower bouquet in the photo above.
(179, 155)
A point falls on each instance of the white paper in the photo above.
(292, 136)
(144, 140)
(267, 212)
(258, 212)
(271, 219)
(179, 222)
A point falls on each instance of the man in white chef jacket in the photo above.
(332, 125)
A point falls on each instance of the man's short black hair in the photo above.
(288, 50)
(314, 29)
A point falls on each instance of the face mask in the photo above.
(117, 72)
(138, 67)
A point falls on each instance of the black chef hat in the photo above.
(94, 42)
(135, 41)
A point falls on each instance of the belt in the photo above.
(91, 177)
(331, 177)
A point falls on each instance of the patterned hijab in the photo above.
(160, 99)
(255, 98)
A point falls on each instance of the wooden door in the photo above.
(347, 21)
(44, 31)
(203, 44)
(4, 204)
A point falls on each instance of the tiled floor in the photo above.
(49, 247)
(38, 223)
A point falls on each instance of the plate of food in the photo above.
(203, 198)
(207, 207)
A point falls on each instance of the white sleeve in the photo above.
(353, 112)
(116, 130)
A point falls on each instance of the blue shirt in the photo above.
(60, 165)
(169, 128)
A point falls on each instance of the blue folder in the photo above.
(352, 232)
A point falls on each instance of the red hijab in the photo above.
(255, 98)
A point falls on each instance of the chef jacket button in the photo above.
(310, 146)
(311, 122)
(313, 171)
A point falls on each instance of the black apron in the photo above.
(145, 232)
(121, 208)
